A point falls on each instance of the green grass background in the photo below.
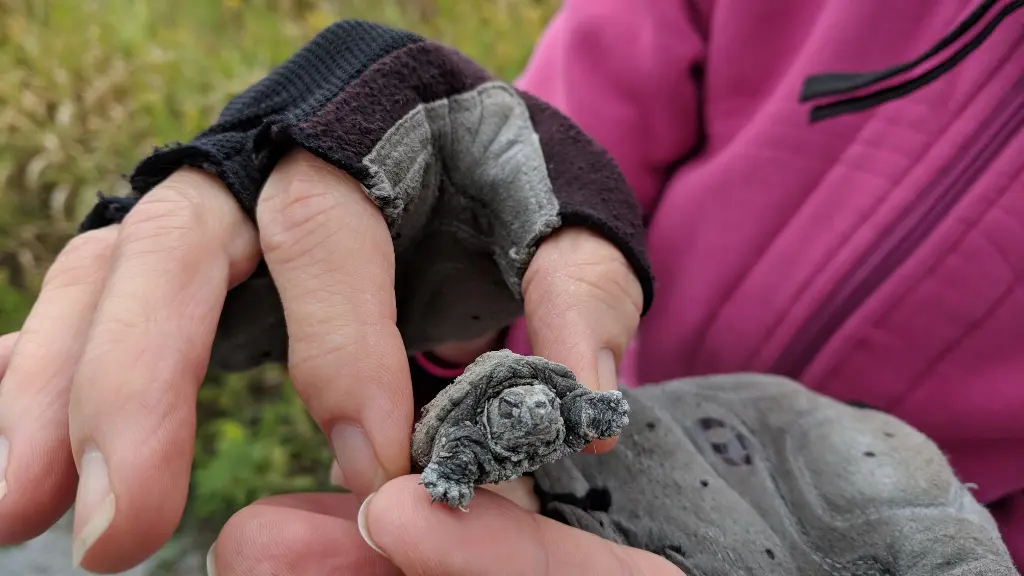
(88, 87)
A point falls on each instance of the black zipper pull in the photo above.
(831, 84)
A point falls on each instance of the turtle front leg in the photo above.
(594, 415)
(455, 465)
(605, 414)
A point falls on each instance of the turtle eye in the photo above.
(507, 407)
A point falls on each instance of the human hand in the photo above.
(452, 229)
(320, 534)
(720, 499)
(100, 389)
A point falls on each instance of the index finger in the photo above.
(330, 253)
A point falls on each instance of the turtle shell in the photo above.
(465, 399)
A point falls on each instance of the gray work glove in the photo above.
(756, 475)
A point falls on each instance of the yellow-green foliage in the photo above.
(88, 87)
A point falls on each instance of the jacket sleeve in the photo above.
(627, 72)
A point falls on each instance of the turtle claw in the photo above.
(454, 494)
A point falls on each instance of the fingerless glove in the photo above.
(469, 173)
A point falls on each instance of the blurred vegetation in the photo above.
(88, 87)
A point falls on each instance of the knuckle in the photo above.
(190, 210)
(178, 195)
(612, 278)
(83, 260)
(587, 275)
(167, 217)
(92, 245)
(306, 202)
(295, 215)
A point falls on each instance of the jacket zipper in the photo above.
(921, 216)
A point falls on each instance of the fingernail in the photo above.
(5, 450)
(364, 529)
(335, 477)
(607, 371)
(355, 457)
(211, 566)
(94, 504)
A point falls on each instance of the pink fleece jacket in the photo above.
(875, 256)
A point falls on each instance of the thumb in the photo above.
(495, 537)
(583, 305)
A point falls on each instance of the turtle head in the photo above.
(525, 421)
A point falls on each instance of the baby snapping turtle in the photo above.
(504, 416)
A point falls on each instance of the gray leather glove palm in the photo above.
(756, 475)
